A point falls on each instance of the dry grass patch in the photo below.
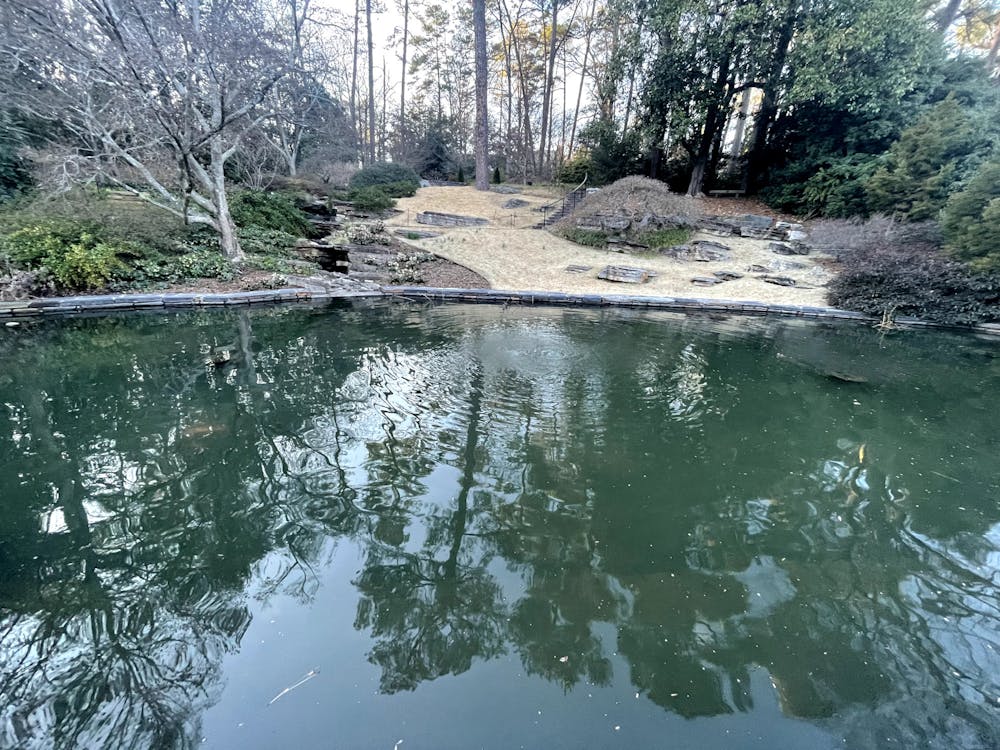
(521, 258)
(468, 201)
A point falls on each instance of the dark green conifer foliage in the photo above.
(971, 218)
(921, 168)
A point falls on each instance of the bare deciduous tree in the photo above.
(157, 96)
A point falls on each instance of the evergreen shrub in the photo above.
(371, 198)
(971, 219)
(382, 174)
(269, 210)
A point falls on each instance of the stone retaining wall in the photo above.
(108, 303)
(679, 304)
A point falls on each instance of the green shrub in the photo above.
(271, 263)
(275, 211)
(399, 189)
(921, 168)
(28, 245)
(971, 219)
(85, 264)
(827, 187)
(382, 174)
(257, 241)
(371, 198)
(76, 257)
(200, 265)
(664, 237)
(574, 170)
(587, 237)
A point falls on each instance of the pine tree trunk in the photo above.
(402, 78)
(354, 82)
(583, 78)
(371, 84)
(482, 121)
(550, 74)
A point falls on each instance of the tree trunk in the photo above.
(947, 16)
(371, 84)
(549, 85)
(741, 125)
(459, 518)
(710, 131)
(402, 78)
(228, 241)
(354, 82)
(482, 121)
(509, 72)
(583, 78)
(768, 106)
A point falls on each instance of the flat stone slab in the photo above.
(727, 275)
(755, 220)
(622, 244)
(578, 269)
(704, 252)
(761, 233)
(785, 248)
(516, 203)
(706, 280)
(624, 274)
(416, 234)
(439, 219)
(779, 280)
(786, 265)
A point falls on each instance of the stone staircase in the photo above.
(562, 208)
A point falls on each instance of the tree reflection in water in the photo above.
(514, 484)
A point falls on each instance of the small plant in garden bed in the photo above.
(658, 238)
(367, 233)
(371, 198)
(586, 237)
(277, 211)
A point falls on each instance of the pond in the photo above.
(403, 526)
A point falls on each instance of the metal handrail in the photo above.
(562, 201)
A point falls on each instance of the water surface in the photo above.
(395, 526)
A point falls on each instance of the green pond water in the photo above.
(397, 526)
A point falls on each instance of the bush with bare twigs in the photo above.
(636, 198)
(894, 268)
(847, 239)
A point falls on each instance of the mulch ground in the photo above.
(714, 206)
